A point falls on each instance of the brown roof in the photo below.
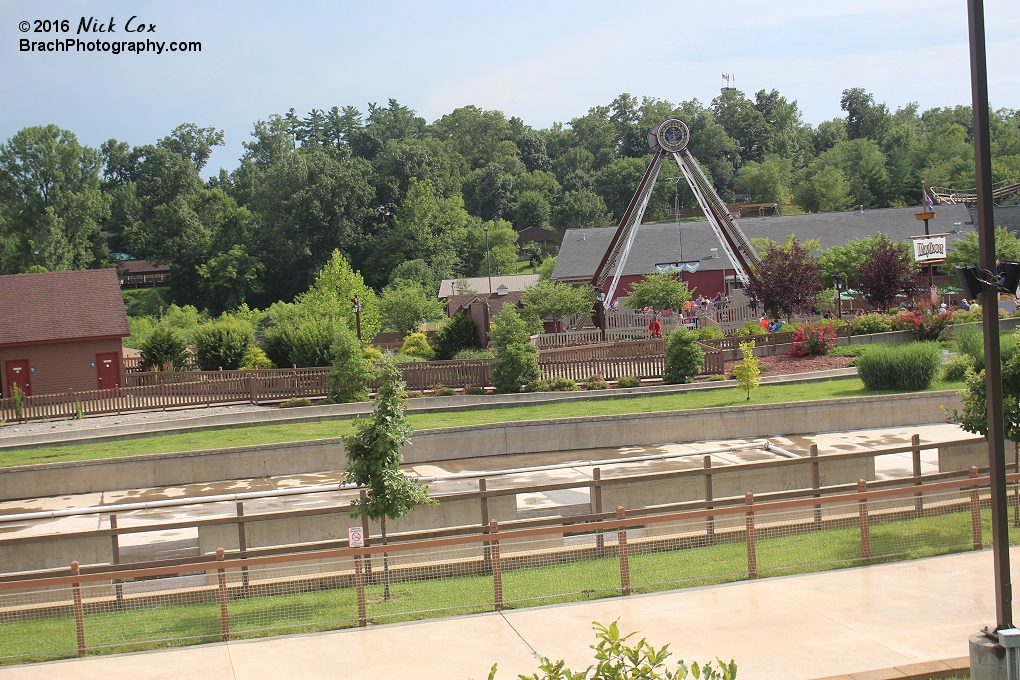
(529, 234)
(142, 267)
(455, 303)
(57, 306)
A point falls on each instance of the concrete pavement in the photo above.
(798, 627)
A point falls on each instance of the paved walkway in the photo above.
(797, 627)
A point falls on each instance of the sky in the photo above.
(543, 61)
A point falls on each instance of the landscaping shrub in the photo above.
(474, 354)
(748, 371)
(17, 401)
(255, 358)
(870, 323)
(352, 368)
(710, 333)
(562, 385)
(164, 350)
(628, 381)
(716, 377)
(414, 394)
(473, 389)
(684, 358)
(222, 344)
(296, 402)
(417, 345)
(913, 366)
(536, 385)
(848, 350)
(515, 365)
(923, 324)
(596, 382)
(458, 334)
(443, 391)
(956, 368)
(751, 327)
(813, 340)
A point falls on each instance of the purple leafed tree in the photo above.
(887, 272)
(788, 280)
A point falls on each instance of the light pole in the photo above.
(837, 281)
(488, 263)
(356, 300)
(990, 321)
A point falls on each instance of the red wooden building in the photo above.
(61, 331)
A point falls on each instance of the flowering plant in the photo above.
(813, 340)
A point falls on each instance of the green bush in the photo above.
(474, 390)
(684, 358)
(716, 377)
(628, 381)
(145, 302)
(458, 334)
(417, 345)
(751, 327)
(956, 368)
(402, 358)
(352, 368)
(474, 354)
(848, 350)
(913, 366)
(164, 350)
(296, 402)
(562, 385)
(536, 385)
(870, 323)
(710, 333)
(222, 344)
(255, 358)
(515, 365)
(596, 382)
(443, 391)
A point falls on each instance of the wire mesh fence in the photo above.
(308, 592)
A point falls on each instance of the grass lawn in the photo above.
(651, 571)
(271, 434)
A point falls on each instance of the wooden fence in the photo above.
(422, 375)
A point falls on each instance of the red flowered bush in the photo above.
(813, 339)
(923, 324)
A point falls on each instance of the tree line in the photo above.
(409, 202)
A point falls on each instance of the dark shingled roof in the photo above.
(136, 267)
(56, 306)
(582, 249)
(1005, 216)
(456, 303)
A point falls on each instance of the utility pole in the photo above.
(488, 262)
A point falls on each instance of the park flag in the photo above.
(929, 206)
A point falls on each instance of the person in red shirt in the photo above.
(655, 328)
(764, 322)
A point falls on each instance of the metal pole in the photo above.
(990, 321)
(488, 262)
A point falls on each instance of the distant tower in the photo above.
(729, 83)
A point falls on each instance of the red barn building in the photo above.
(61, 331)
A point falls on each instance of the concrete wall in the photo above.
(498, 439)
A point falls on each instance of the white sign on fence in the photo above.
(928, 248)
(355, 537)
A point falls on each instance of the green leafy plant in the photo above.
(474, 354)
(925, 325)
(913, 366)
(618, 659)
(716, 377)
(352, 368)
(457, 335)
(17, 401)
(684, 357)
(79, 410)
(443, 391)
(710, 333)
(474, 390)
(417, 345)
(748, 371)
(751, 327)
(562, 385)
(164, 350)
(628, 381)
(956, 368)
(596, 382)
(255, 358)
(870, 323)
(222, 344)
(296, 402)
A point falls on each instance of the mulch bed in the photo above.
(784, 364)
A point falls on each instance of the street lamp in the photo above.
(356, 301)
(837, 280)
(488, 263)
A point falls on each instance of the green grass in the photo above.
(651, 571)
(272, 434)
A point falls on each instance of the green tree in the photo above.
(581, 210)
(458, 333)
(51, 205)
(221, 344)
(502, 255)
(404, 306)
(825, 191)
(845, 260)
(332, 294)
(373, 458)
(351, 369)
(532, 210)
(551, 301)
(965, 251)
(659, 292)
(748, 371)
(164, 350)
(684, 358)
(766, 181)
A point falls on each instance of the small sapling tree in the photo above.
(373, 459)
(748, 371)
